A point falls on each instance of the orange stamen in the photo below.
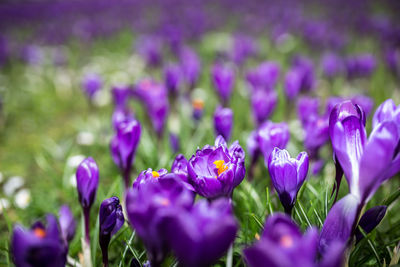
(155, 174)
(39, 232)
(198, 104)
(286, 241)
(220, 165)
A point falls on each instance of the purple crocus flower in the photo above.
(243, 47)
(39, 246)
(300, 77)
(67, 223)
(316, 134)
(287, 175)
(150, 206)
(265, 76)
(172, 77)
(307, 107)
(216, 171)
(111, 220)
(359, 66)
(365, 102)
(271, 135)
(223, 77)
(191, 66)
(263, 104)
(155, 98)
(223, 122)
(91, 84)
(392, 60)
(332, 65)
(150, 48)
(87, 182)
(121, 95)
(365, 163)
(121, 115)
(124, 145)
(283, 244)
(179, 167)
(201, 235)
(292, 83)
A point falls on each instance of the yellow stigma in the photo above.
(286, 241)
(39, 232)
(155, 174)
(257, 236)
(220, 165)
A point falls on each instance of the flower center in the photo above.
(286, 241)
(39, 232)
(220, 165)
(198, 103)
(155, 174)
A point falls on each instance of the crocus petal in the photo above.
(339, 223)
(377, 157)
(370, 219)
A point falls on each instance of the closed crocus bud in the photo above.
(316, 134)
(306, 68)
(91, 84)
(370, 219)
(172, 78)
(40, 246)
(67, 223)
(149, 208)
(223, 77)
(283, 244)
(215, 171)
(121, 95)
(201, 235)
(287, 175)
(263, 104)
(271, 135)
(123, 147)
(87, 181)
(111, 220)
(223, 122)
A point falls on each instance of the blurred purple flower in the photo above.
(283, 244)
(150, 48)
(191, 66)
(91, 84)
(271, 135)
(263, 104)
(265, 76)
(362, 65)
(223, 77)
(201, 235)
(332, 65)
(223, 122)
(149, 207)
(174, 142)
(121, 115)
(216, 171)
(287, 175)
(121, 95)
(243, 47)
(155, 98)
(172, 78)
(39, 246)
(67, 223)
